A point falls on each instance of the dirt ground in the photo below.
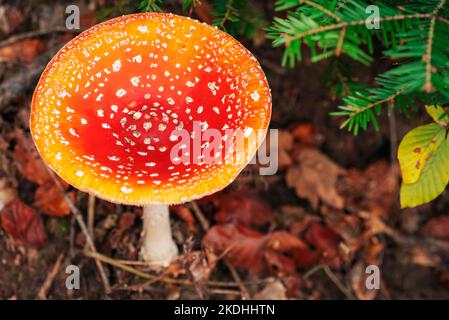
(300, 236)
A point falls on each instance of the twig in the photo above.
(153, 278)
(225, 292)
(200, 216)
(34, 34)
(205, 225)
(79, 218)
(428, 56)
(91, 215)
(338, 283)
(290, 38)
(331, 275)
(244, 291)
(322, 9)
(42, 295)
(341, 39)
(26, 76)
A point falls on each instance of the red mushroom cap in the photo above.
(106, 106)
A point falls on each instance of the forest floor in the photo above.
(308, 232)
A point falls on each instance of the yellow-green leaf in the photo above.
(416, 148)
(437, 112)
(434, 173)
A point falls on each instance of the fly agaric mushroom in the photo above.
(107, 108)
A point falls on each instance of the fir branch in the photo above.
(346, 24)
(321, 8)
(428, 87)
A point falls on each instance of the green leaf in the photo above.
(438, 114)
(423, 156)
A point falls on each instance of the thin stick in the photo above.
(338, 283)
(332, 277)
(79, 218)
(205, 225)
(91, 215)
(200, 216)
(153, 278)
(34, 34)
(42, 295)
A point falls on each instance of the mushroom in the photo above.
(110, 113)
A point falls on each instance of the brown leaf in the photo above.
(184, 213)
(306, 258)
(437, 227)
(243, 208)
(48, 195)
(7, 192)
(246, 248)
(22, 51)
(314, 177)
(308, 134)
(50, 201)
(10, 19)
(373, 190)
(272, 291)
(30, 163)
(358, 281)
(325, 241)
(125, 222)
(285, 146)
(22, 223)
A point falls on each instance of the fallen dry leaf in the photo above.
(7, 192)
(358, 282)
(22, 223)
(437, 227)
(49, 200)
(374, 190)
(272, 291)
(314, 177)
(308, 135)
(28, 159)
(48, 195)
(10, 19)
(246, 248)
(22, 51)
(243, 208)
(325, 241)
(285, 146)
(184, 213)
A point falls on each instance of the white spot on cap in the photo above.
(137, 58)
(255, 96)
(135, 81)
(120, 93)
(143, 29)
(126, 190)
(100, 112)
(116, 65)
(150, 164)
(137, 115)
(213, 87)
(247, 131)
(79, 173)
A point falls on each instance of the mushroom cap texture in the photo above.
(106, 105)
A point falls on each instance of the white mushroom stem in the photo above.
(158, 247)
